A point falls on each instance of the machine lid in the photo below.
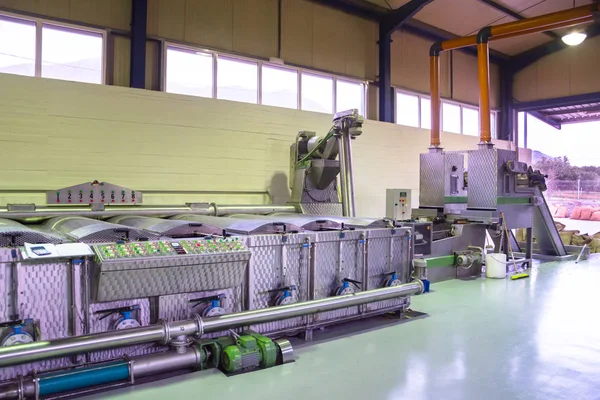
(94, 231)
(258, 226)
(307, 222)
(13, 233)
(167, 227)
(349, 222)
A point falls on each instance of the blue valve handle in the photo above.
(214, 300)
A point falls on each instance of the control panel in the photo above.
(398, 204)
(169, 248)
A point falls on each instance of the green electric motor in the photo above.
(250, 351)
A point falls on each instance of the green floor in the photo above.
(537, 338)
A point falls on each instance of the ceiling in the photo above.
(570, 114)
(467, 17)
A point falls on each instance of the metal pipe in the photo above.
(42, 214)
(168, 361)
(37, 351)
(346, 174)
(483, 63)
(254, 317)
(434, 70)
(542, 23)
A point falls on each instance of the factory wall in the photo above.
(180, 148)
(311, 35)
(567, 72)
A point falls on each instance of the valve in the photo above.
(213, 304)
(15, 332)
(346, 288)
(392, 280)
(125, 320)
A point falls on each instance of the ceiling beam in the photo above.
(595, 109)
(525, 59)
(544, 118)
(566, 101)
(394, 19)
(511, 13)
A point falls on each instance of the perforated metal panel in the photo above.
(15, 234)
(89, 230)
(321, 208)
(431, 186)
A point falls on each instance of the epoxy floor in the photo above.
(536, 338)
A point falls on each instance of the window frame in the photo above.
(260, 62)
(462, 105)
(40, 22)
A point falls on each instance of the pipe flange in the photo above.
(181, 344)
(199, 325)
(216, 208)
(166, 331)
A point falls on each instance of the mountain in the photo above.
(538, 155)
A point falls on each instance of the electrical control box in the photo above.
(398, 204)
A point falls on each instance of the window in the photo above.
(317, 93)
(189, 72)
(493, 124)
(350, 95)
(17, 46)
(66, 53)
(71, 54)
(237, 80)
(450, 118)
(279, 87)
(470, 118)
(425, 113)
(407, 109)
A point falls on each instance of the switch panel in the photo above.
(398, 204)
(169, 248)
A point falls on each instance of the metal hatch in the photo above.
(13, 233)
(89, 230)
(244, 226)
(167, 227)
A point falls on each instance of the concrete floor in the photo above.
(536, 338)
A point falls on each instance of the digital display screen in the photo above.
(174, 244)
(403, 194)
(40, 251)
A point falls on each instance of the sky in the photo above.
(579, 142)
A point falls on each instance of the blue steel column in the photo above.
(386, 111)
(137, 66)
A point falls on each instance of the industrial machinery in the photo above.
(99, 290)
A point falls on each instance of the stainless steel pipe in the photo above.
(346, 174)
(37, 351)
(44, 213)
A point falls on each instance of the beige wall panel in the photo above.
(255, 27)
(111, 13)
(76, 132)
(525, 86)
(152, 65)
(373, 102)
(297, 32)
(459, 17)
(166, 19)
(554, 75)
(494, 86)
(466, 86)
(209, 23)
(361, 47)
(329, 37)
(121, 57)
(585, 67)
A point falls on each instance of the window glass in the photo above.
(72, 54)
(470, 121)
(317, 93)
(451, 117)
(494, 124)
(425, 113)
(189, 72)
(350, 95)
(17, 46)
(407, 109)
(521, 128)
(279, 87)
(237, 80)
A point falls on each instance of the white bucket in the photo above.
(495, 265)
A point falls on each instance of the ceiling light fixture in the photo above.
(574, 38)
